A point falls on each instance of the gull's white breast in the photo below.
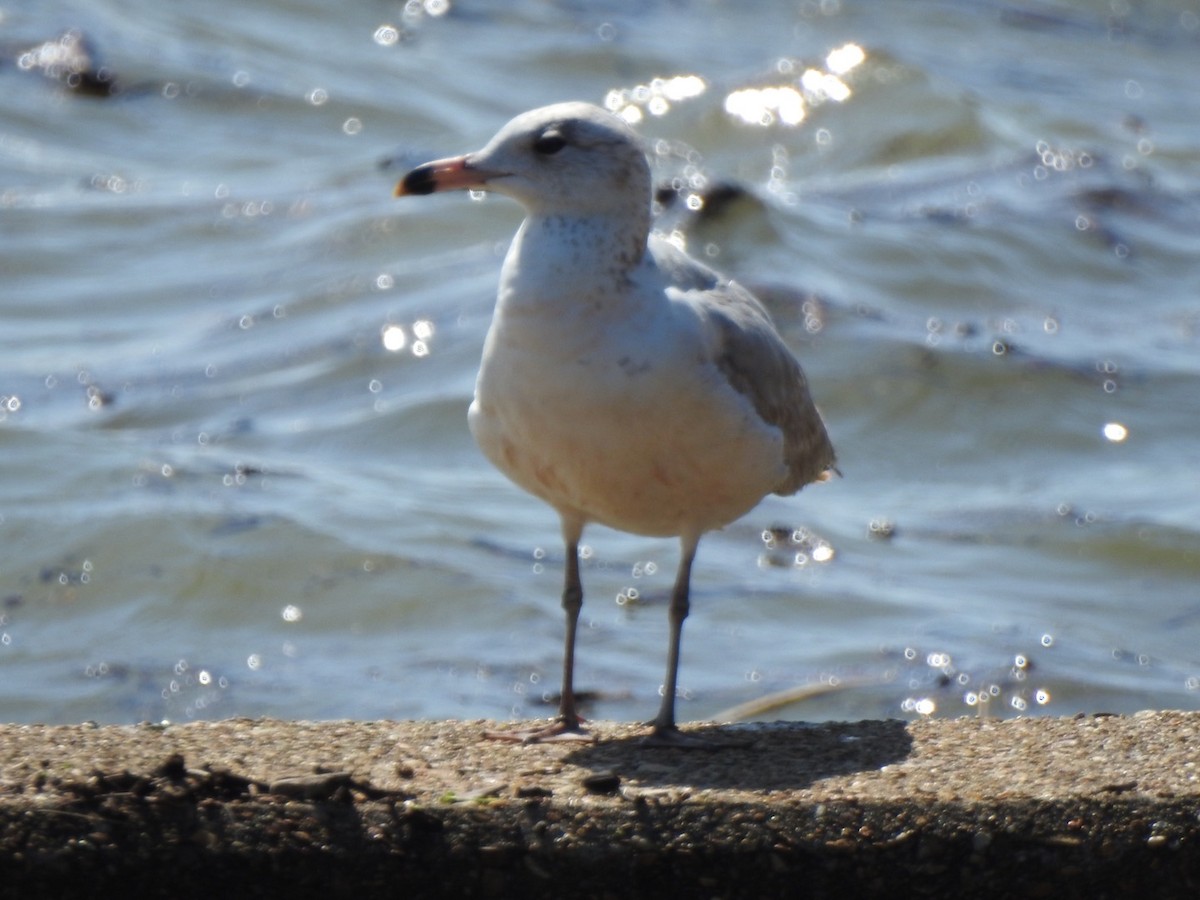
(612, 409)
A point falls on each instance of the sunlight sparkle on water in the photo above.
(820, 85)
(922, 706)
(842, 59)
(655, 98)
(1115, 432)
(765, 106)
(415, 9)
(387, 35)
(788, 104)
(394, 338)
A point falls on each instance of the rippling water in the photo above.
(237, 477)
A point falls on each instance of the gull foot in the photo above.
(558, 731)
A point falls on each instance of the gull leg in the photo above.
(566, 726)
(572, 602)
(665, 732)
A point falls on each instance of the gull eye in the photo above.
(549, 143)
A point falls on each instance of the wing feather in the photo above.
(757, 364)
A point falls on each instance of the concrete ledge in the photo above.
(1083, 807)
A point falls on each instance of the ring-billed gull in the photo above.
(623, 382)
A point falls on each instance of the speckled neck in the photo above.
(556, 256)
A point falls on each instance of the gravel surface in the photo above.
(1102, 806)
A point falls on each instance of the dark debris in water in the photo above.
(585, 699)
(794, 546)
(232, 525)
(67, 573)
(938, 684)
(881, 529)
(71, 60)
(708, 203)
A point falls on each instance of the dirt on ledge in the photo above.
(1082, 807)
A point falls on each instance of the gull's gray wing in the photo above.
(757, 363)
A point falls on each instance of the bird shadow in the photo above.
(753, 756)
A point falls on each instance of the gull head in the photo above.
(566, 159)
